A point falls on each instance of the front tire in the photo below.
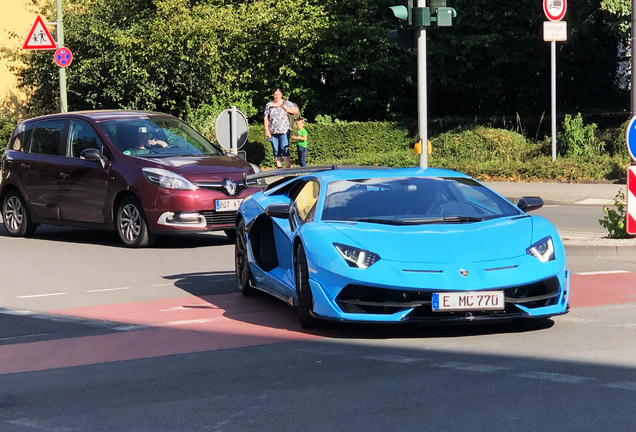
(303, 290)
(241, 263)
(131, 224)
(231, 234)
(15, 215)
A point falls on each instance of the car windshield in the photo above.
(413, 200)
(156, 137)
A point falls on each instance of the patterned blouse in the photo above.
(278, 119)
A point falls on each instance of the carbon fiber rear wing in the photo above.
(289, 172)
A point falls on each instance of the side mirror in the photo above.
(92, 155)
(528, 204)
(278, 210)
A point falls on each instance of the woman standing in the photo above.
(277, 127)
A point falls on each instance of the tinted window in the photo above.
(156, 137)
(81, 137)
(413, 200)
(46, 137)
(20, 137)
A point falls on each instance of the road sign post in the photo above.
(231, 129)
(552, 31)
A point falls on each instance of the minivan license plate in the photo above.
(228, 205)
(477, 300)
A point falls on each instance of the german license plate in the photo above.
(228, 205)
(475, 300)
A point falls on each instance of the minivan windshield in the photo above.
(156, 137)
(414, 200)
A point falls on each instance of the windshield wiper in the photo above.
(447, 219)
(376, 220)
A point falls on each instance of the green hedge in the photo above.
(482, 152)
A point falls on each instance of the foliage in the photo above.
(331, 57)
(7, 126)
(614, 220)
(577, 139)
(618, 17)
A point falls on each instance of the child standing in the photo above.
(301, 138)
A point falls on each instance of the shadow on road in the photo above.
(267, 311)
(104, 237)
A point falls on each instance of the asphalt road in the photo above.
(95, 337)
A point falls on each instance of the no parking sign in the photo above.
(63, 57)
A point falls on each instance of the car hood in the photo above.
(197, 168)
(495, 239)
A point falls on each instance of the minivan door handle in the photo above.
(64, 175)
(25, 166)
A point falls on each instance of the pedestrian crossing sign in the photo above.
(39, 37)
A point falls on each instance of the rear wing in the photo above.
(249, 179)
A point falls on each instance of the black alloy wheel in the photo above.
(303, 290)
(15, 215)
(131, 224)
(241, 264)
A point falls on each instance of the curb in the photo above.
(600, 251)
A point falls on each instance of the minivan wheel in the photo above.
(131, 224)
(15, 215)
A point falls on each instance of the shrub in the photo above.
(7, 126)
(614, 220)
(577, 139)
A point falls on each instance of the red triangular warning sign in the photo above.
(39, 37)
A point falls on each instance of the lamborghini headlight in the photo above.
(357, 257)
(543, 250)
(167, 179)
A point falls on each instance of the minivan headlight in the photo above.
(543, 250)
(167, 179)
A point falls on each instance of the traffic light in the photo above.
(403, 11)
(411, 17)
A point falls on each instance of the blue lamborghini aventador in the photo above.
(395, 245)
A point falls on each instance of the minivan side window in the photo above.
(20, 137)
(81, 137)
(46, 137)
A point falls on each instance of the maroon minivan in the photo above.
(141, 173)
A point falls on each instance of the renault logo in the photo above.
(463, 272)
(230, 186)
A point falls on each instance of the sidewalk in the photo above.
(577, 243)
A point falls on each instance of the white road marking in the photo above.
(572, 379)
(602, 272)
(625, 385)
(629, 326)
(391, 358)
(551, 205)
(41, 295)
(108, 289)
(164, 284)
(473, 367)
(385, 357)
(36, 426)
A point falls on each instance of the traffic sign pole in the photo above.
(553, 100)
(60, 43)
(422, 108)
(233, 134)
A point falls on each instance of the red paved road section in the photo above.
(181, 325)
(602, 289)
(193, 324)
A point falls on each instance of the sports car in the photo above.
(393, 245)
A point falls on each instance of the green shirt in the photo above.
(303, 133)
